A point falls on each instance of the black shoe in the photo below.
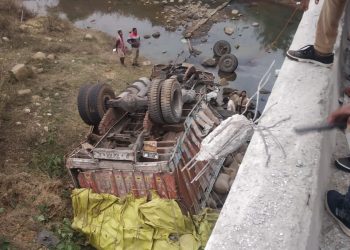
(308, 54)
(343, 164)
(338, 206)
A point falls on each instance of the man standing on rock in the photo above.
(134, 40)
(321, 52)
(120, 47)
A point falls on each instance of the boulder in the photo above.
(221, 185)
(210, 62)
(21, 72)
(228, 30)
(39, 56)
(156, 34)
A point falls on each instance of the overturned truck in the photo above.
(147, 137)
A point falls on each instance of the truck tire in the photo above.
(82, 103)
(228, 63)
(221, 48)
(171, 101)
(154, 109)
(98, 96)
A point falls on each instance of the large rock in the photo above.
(21, 72)
(210, 62)
(39, 56)
(228, 30)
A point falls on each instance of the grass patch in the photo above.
(49, 158)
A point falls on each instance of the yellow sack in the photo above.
(112, 223)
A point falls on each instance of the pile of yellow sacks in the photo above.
(129, 223)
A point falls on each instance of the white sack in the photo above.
(226, 138)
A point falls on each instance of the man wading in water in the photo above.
(134, 40)
(120, 47)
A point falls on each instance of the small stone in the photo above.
(35, 98)
(24, 92)
(57, 94)
(18, 123)
(156, 34)
(164, 51)
(181, 1)
(21, 72)
(5, 39)
(51, 57)
(299, 164)
(228, 30)
(88, 37)
(46, 128)
(39, 70)
(73, 61)
(37, 104)
(210, 62)
(27, 110)
(39, 56)
(235, 12)
(147, 36)
(47, 99)
(48, 39)
(49, 114)
(146, 63)
(237, 46)
(255, 24)
(204, 40)
(171, 1)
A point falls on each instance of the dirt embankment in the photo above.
(39, 121)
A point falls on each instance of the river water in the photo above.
(253, 57)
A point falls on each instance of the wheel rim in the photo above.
(223, 49)
(228, 63)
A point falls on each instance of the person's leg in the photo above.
(327, 26)
(137, 56)
(133, 51)
(338, 205)
(326, 34)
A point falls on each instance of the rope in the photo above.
(284, 28)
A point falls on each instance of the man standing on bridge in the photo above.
(326, 34)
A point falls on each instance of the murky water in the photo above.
(111, 15)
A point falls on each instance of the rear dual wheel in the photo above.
(92, 102)
(165, 101)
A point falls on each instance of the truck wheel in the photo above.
(221, 48)
(82, 103)
(228, 63)
(98, 96)
(171, 101)
(153, 96)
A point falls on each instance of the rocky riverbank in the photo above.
(43, 62)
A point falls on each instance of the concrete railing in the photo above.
(278, 203)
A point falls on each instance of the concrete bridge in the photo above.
(277, 199)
